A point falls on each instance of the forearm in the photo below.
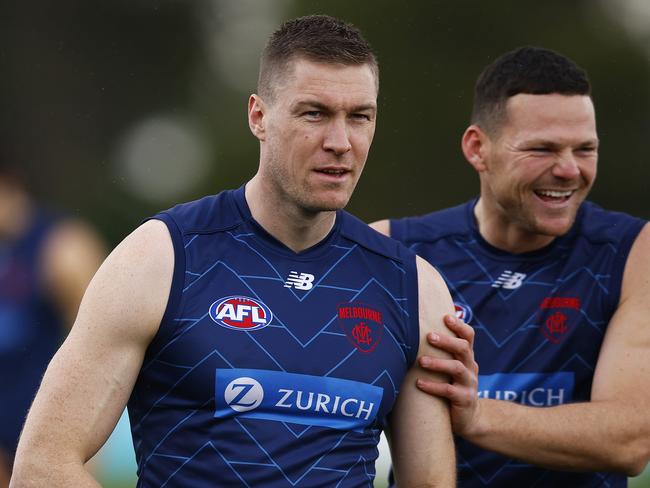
(43, 470)
(593, 436)
(422, 457)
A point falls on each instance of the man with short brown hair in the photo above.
(262, 336)
(555, 287)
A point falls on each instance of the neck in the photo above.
(505, 234)
(295, 227)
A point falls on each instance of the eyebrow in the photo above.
(553, 144)
(318, 105)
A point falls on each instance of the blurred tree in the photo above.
(79, 74)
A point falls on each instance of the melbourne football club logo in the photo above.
(362, 324)
(243, 394)
(240, 313)
(463, 312)
(557, 316)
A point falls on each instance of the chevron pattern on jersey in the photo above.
(179, 442)
(543, 312)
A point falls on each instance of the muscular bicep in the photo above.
(420, 437)
(623, 368)
(90, 378)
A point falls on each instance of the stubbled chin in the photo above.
(327, 203)
(555, 226)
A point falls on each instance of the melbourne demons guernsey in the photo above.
(539, 318)
(30, 325)
(272, 368)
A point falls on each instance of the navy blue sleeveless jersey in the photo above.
(30, 326)
(539, 318)
(272, 368)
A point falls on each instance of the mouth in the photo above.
(554, 196)
(333, 172)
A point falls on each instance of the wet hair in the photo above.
(529, 70)
(318, 38)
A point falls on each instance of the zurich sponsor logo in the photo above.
(243, 394)
(296, 398)
(240, 313)
(533, 389)
(463, 312)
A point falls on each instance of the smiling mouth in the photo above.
(554, 195)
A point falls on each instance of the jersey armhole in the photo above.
(413, 308)
(622, 253)
(397, 230)
(167, 324)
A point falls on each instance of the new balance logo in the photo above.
(509, 280)
(302, 281)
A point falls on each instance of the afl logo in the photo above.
(463, 312)
(240, 313)
(243, 394)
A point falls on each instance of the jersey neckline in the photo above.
(542, 252)
(267, 240)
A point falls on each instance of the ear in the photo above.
(256, 111)
(475, 145)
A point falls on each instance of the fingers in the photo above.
(435, 388)
(453, 368)
(458, 396)
(460, 328)
(459, 348)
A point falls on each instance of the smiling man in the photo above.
(262, 337)
(555, 287)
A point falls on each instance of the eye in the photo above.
(540, 149)
(587, 150)
(313, 113)
(361, 117)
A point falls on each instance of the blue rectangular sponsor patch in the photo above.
(533, 389)
(296, 398)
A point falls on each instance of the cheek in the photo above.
(589, 170)
(361, 145)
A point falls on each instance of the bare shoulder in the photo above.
(627, 339)
(429, 276)
(434, 299)
(90, 378)
(636, 278)
(432, 289)
(145, 255)
(149, 246)
(130, 290)
(382, 226)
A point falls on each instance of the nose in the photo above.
(336, 137)
(566, 166)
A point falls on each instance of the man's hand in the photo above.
(462, 391)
